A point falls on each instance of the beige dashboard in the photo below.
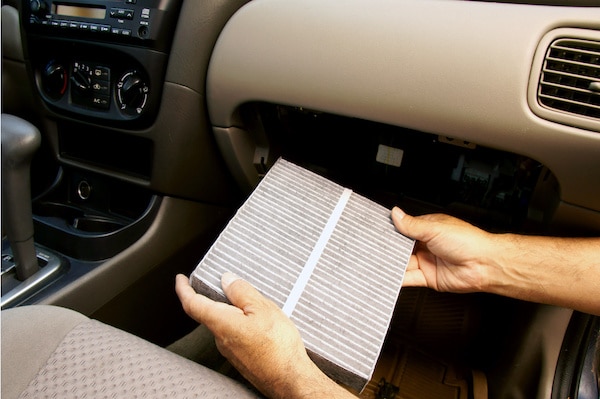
(453, 68)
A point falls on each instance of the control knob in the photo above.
(132, 93)
(39, 8)
(54, 80)
(81, 81)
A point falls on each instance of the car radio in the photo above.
(142, 22)
(100, 60)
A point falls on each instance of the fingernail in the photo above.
(228, 278)
(398, 212)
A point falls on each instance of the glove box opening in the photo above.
(419, 171)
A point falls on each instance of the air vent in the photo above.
(570, 79)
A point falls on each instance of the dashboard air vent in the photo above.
(570, 79)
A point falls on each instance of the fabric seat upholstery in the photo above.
(49, 351)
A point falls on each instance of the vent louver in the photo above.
(570, 80)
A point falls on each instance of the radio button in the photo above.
(105, 28)
(94, 28)
(121, 13)
(84, 26)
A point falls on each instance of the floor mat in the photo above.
(423, 357)
(407, 373)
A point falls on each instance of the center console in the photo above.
(98, 73)
(103, 60)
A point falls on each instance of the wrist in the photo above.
(516, 268)
(498, 264)
(311, 382)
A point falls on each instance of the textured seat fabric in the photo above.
(54, 352)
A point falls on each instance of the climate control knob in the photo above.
(81, 81)
(54, 80)
(132, 93)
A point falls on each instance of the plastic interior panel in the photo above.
(455, 68)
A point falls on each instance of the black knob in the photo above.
(132, 93)
(38, 7)
(54, 80)
(81, 81)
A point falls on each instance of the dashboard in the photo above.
(419, 65)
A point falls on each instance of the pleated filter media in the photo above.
(330, 258)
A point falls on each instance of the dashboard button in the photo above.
(121, 13)
(101, 73)
(100, 102)
(100, 88)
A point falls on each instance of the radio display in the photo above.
(79, 11)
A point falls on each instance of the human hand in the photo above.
(455, 256)
(451, 255)
(261, 342)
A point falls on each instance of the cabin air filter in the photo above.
(330, 258)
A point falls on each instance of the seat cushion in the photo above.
(64, 354)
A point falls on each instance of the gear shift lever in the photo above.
(20, 140)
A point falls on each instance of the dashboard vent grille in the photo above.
(570, 80)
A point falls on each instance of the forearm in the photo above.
(311, 384)
(558, 271)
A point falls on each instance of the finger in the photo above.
(413, 263)
(414, 278)
(414, 227)
(241, 293)
(421, 228)
(200, 308)
(184, 291)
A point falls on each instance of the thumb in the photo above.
(240, 293)
(414, 227)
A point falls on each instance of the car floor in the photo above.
(426, 354)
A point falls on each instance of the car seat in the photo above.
(49, 351)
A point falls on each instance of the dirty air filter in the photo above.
(330, 258)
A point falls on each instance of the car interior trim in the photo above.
(367, 65)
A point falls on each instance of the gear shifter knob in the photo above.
(20, 140)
